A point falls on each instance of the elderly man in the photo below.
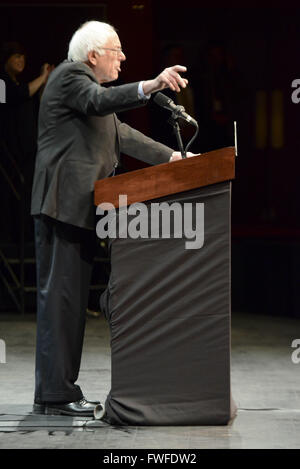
(80, 140)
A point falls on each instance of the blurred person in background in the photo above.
(18, 133)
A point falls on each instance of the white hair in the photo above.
(92, 35)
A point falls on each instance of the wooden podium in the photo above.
(168, 306)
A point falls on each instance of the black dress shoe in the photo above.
(80, 408)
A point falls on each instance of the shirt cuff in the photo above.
(141, 93)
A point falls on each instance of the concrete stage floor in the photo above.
(265, 386)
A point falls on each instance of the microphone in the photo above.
(179, 111)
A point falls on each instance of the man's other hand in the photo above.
(176, 155)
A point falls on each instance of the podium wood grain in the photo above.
(168, 178)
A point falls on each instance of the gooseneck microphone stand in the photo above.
(173, 121)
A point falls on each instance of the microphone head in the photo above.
(163, 100)
(179, 111)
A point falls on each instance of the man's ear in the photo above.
(92, 57)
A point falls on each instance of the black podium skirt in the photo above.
(168, 308)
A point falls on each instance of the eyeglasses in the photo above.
(118, 51)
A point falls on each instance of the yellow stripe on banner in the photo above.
(261, 127)
(186, 99)
(277, 118)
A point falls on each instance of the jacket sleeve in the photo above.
(82, 94)
(137, 145)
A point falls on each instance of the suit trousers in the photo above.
(64, 256)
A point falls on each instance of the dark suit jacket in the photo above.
(80, 140)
